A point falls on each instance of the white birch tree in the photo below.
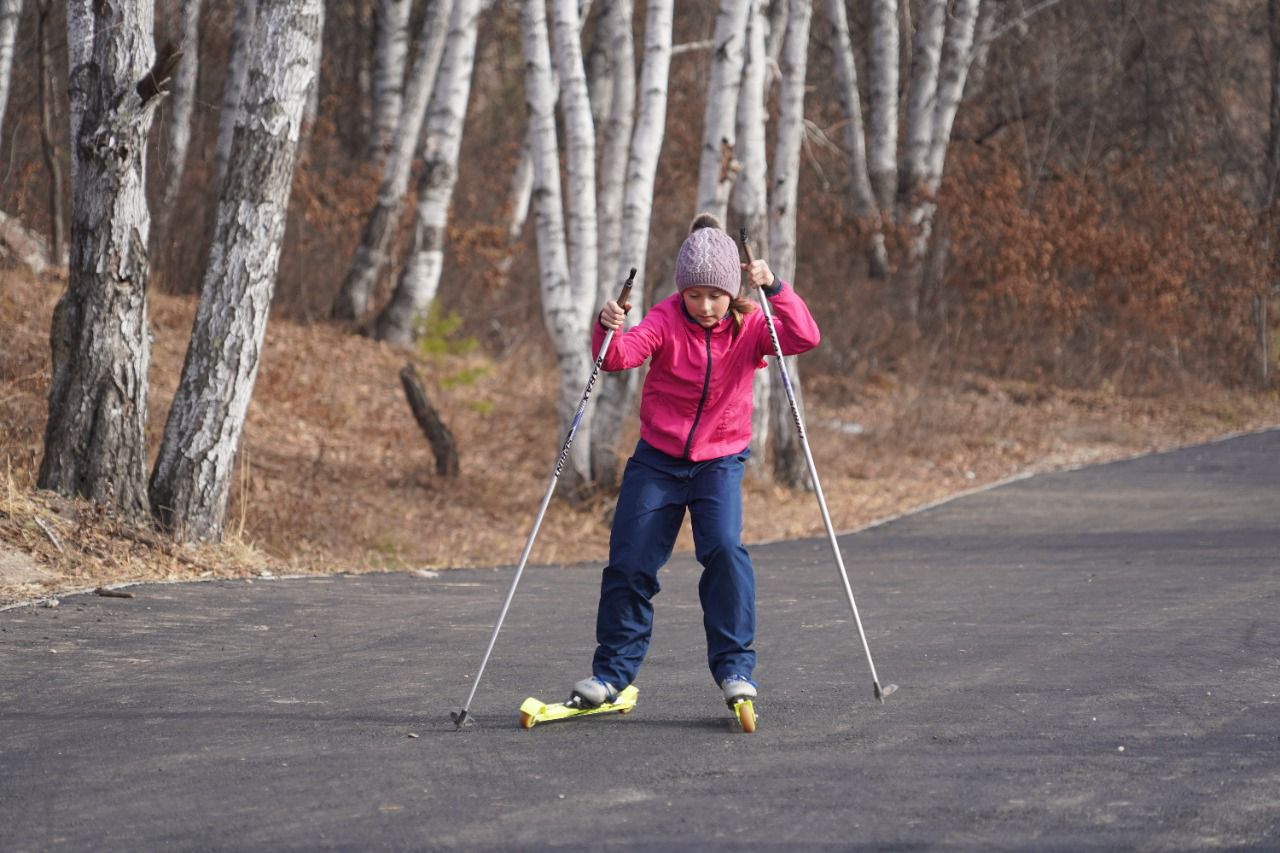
(616, 142)
(861, 200)
(882, 105)
(183, 102)
(750, 196)
(233, 87)
(372, 253)
(10, 13)
(716, 166)
(617, 390)
(580, 161)
(950, 90)
(921, 102)
(45, 88)
(562, 304)
(786, 452)
(390, 53)
(420, 277)
(193, 473)
(95, 444)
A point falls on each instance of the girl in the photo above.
(704, 343)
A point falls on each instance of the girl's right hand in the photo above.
(612, 314)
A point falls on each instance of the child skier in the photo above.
(705, 343)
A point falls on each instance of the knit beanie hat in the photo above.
(708, 258)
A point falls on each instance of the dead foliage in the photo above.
(334, 474)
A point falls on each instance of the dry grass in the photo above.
(335, 476)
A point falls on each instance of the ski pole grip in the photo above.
(746, 245)
(626, 290)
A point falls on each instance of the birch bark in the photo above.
(10, 13)
(882, 103)
(48, 137)
(95, 444)
(715, 168)
(921, 103)
(391, 51)
(952, 74)
(862, 202)
(372, 254)
(617, 390)
(193, 472)
(184, 98)
(787, 454)
(580, 160)
(750, 199)
(233, 87)
(561, 306)
(616, 145)
(420, 278)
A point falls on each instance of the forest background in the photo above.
(1099, 280)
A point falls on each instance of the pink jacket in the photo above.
(696, 403)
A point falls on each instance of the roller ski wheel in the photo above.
(745, 712)
(534, 711)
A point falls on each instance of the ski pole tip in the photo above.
(882, 692)
(460, 719)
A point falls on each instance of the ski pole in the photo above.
(813, 474)
(460, 718)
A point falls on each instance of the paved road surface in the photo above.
(1086, 660)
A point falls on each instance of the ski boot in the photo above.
(739, 691)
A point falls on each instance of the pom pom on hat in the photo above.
(708, 257)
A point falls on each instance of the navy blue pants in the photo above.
(656, 488)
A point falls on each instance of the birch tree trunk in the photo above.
(312, 109)
(774, 36)
(373, 252)
(789, 467)
(750, 199)
(617, 390)
(583, 232)
(391, 51)
(48, 138)
(616, 145)
(862, 203)
(716, 168)
(518, 203)
(184, 98)
(95, 444)
(193, 473)
(921, 104)
(952, 75)
(233, 87)
(561, 305)
(420, 277)
(10, 13)
(882, 104)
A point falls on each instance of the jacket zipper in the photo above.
(706, 388)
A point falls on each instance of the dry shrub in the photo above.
(1134, 275)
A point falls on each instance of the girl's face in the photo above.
(707, 305)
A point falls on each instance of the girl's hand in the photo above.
(612, 314)
(758, 273)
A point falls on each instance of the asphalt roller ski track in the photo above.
(1086, 660)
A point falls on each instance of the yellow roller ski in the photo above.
(534, 711)
(745, 712)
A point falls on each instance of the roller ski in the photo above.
(739, 693)
(590, 696)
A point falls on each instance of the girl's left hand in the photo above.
(758, 273)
